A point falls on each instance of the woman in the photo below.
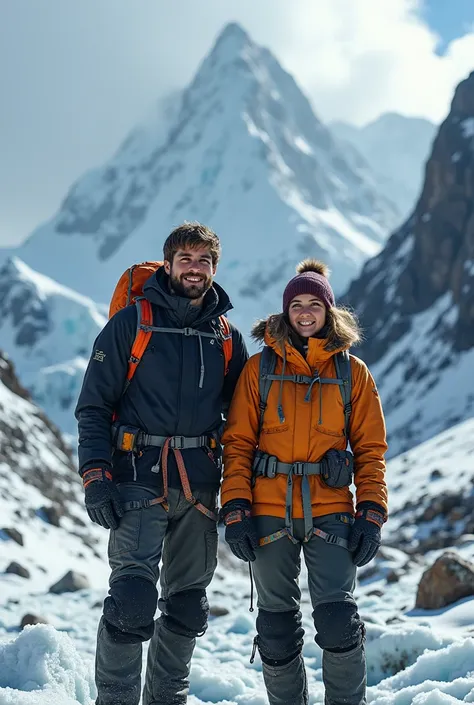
(286, 486)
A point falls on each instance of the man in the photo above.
(150, 463)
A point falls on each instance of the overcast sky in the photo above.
(76, 75)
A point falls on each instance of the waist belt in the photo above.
(269, 466)
(178, 442)
(129, 438)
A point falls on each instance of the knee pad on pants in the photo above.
(129, 609)
(338, 626)
(280, 636)
(186, 612)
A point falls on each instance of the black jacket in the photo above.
(164, 397)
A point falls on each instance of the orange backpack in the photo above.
(129, 290)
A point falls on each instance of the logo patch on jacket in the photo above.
(99, 356)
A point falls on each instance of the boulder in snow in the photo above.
(51, 514)
(71, 582)
(16, 569)
(14, 535)
(29, 618)
(218, 611)
(449, 579)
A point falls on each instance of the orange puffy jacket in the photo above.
(309, 430)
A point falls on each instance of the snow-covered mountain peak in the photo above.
(240, 150)
(230, 42)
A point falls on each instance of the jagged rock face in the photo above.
(433, 253)
(9, 378)
(28, 439)
(416, 297)
(29, 315)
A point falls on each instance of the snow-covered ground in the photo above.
(53, 663)
(425, 658)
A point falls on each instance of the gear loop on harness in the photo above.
(328, 538)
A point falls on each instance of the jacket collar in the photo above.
(158, 291)
(315, 357)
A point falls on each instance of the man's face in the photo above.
(191, 273)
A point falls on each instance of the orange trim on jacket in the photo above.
(309, 430)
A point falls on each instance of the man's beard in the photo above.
(188, 290)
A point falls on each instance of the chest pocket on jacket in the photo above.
(327, 410)
(274, 429)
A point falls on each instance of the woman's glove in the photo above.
(240, 533)
(365, 537)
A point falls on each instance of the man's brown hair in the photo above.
(192, 235)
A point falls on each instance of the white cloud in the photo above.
(359, 58)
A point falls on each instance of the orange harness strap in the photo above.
(183, 476)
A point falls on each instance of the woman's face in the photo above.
(307, 315)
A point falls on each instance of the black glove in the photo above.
(240, 533)
(102, 498)
(365, 537)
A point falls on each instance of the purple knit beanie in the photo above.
(312, 278)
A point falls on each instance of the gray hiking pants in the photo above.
(340, 631)
(185, 541)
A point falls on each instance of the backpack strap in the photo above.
(266, 372)
(226, 341)
(145, 329)
(142, 338)
(342, 363)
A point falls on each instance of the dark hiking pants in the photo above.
(340, 632)
(185, 540)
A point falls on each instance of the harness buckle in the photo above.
(271, 466)
(177, 442)
(188, 331)
(298, 468)
(331, 538)
(301, 379)
(133, 504)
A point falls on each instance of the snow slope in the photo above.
(413, 656)
(246, 155)
(396, 148)
(431, 489)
